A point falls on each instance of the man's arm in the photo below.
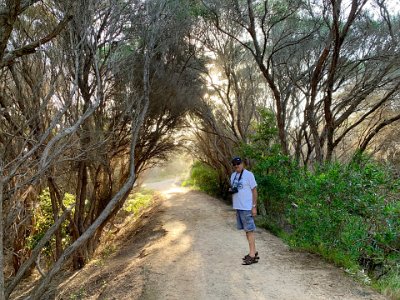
(254, 208)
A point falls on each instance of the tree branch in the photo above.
(10, 57)
(378, 128)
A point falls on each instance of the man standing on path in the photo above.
(244, 198)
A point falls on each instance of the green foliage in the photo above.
(44, 213)
(264, 141)
(266, 130)
(389, 284)
(138, 201)
(204, 178)
(196, 9)
(275, 175)
(43, 220)
(346, 207)
(108, 251)
(350, 213)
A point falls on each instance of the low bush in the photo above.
(138, 201)
(43, 219)
(349, 213)
(204, 178)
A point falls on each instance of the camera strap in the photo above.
(240, 177)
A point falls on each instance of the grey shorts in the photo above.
(245, 220)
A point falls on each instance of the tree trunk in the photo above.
(330, 129)
(2, 287)
(55, 208)
(314, 132)
(310, 108)
(280, 110)
(78, 260)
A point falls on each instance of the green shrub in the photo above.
(350, 213)
(389, 284)
(138, 201)
(43, 220)
(204, 178)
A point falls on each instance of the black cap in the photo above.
(236, 160)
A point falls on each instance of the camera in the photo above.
(233, 190)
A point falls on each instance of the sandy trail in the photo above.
(189, 249)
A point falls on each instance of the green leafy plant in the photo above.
(138, 201)
(43, 220)
(204, 178)
(348, 213)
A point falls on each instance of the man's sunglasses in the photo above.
(235, 164)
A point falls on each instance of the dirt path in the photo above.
(190, 249)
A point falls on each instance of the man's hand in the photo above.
(254, 211)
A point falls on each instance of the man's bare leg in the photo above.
(252, 243)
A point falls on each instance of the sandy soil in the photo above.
(188, 248)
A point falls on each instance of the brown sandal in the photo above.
(248, 255)
(250, 260)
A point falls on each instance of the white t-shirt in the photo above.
(243, 200)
